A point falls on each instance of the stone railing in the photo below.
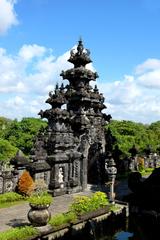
(83, 227)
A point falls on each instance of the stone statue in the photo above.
(60, 175)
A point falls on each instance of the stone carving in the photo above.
(8, 186)
(7, 181)
(60, 175)
(73, 132)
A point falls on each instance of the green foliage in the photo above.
(10, 204)
(98, 200)
(81, 204)
(16, 135)
(128, 133)
(40, 199)
(10, 197)
(7, 151)
(19, 233)
(57, 220)
(84, 204)
(63, 218)
(21, 134)
(147, 171)
(4, 124)
(70, 217)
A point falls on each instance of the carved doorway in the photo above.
(95, 165)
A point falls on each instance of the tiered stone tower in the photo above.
(73, 145)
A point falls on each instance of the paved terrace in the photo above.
(17, 215)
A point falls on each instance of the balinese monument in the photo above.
(70, 152)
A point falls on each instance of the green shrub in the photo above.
(81, 204)
(19, 233)
(149, 170)
(40, 199)
(99, 200)
(63, 218)
(84, 204)
(10, 197)
(57, 220)
(70, 217)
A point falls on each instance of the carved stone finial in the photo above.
(56, 88)
(62, 87)
(96, 89)
(50, 94)
(80, 47)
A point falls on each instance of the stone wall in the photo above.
(8, 181)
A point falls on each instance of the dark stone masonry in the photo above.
(70, 152)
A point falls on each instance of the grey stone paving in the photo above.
(17, 215)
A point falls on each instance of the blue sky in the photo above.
(123, 36)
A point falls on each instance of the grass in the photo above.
(10, 204)
(10, 199)
(62, 218)
(19, 233)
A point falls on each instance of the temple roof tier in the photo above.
(54, 113)
(56, 102)
(20, 159)
(79, 73)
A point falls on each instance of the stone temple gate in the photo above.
(69, 153)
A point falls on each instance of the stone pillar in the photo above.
(111, 171)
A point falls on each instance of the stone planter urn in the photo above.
(39, 215)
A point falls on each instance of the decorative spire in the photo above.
(81, 56)
(56, 89)
(62, 88)
(96, 89)
(80, 47)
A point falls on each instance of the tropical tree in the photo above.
(7, 151)
(21, 134)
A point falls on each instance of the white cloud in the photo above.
(149, 65)
(27, 77)
(148, 73)
(15, 102)
(27, 52)
(136, 97)
(8, 17)
(18, 88)
(150, 79)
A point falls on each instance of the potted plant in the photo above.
(39, 214)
